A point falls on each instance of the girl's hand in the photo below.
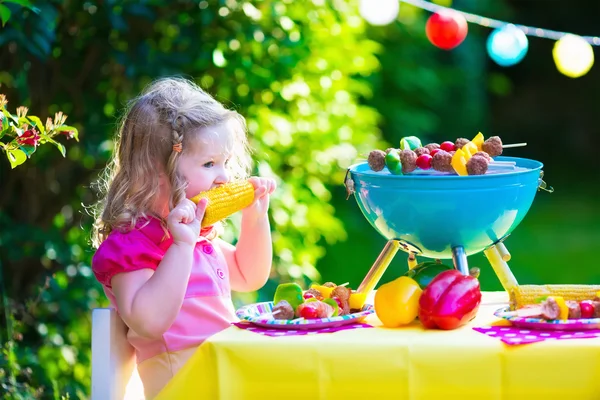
(184, 221)
(263, 188)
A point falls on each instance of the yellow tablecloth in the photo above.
(405, 363)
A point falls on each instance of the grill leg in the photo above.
(376, 272)
(459, 257)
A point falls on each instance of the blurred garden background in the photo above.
(320, 87)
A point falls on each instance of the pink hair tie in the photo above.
(177, 147)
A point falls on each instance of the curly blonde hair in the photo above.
(169, 112)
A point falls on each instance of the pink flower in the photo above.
(29, 138)
(69, 134)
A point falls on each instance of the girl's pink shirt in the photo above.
(207, 307)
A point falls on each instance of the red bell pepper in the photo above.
(449, 301)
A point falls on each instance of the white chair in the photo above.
(114, 374)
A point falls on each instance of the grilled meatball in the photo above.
(318, 295)
(376, 160)
(343, 293)
(329, 284)
(483, 154)
(596, 308)
(442, 161)
(460, 142)
(492, 146)
(421, 150)
(284, 310)
(574, 310)
(550, 309)
(477, 166)
(432, 146)
(408, 158)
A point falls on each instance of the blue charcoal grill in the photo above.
(444, 216)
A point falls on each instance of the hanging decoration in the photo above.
(379, 12)
(507, 45)
(446, 29)
(573, 56)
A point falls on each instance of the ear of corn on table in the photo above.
(522, 295)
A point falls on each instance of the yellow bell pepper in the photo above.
(471, 148)
(397, 302)
(478, 140)
(325, 291)
(459, 163)
(562, 305)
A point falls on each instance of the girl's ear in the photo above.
(163, 181)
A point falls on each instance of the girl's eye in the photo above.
(209, 164)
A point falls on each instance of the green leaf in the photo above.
(24, 3)
(9, 115)
(28, 150)
(65, 128)
(24, 121)
(16, 157)
(4, 15)
(38, 123)
(59, 146)
(5, 126)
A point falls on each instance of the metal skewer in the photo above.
(508, 146)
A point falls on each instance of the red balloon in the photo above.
(446, 29)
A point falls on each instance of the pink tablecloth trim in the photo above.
(513, 336)
(285, 332)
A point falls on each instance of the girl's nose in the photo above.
(222, 177)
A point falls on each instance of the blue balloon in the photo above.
(507, 45)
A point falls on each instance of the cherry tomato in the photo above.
(424, 161)
(587, 309)
(309, 312)
(447, 146)
(339, 302)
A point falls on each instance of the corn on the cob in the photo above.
(523, 295)
(225, 200)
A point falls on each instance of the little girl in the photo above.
(169, 280)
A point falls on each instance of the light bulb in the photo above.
(573, 56)
(379, 12)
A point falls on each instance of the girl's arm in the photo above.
(149, 301)
(250, 260)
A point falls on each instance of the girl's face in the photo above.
(204, 162)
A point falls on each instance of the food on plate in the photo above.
(283, 310)
(524, 295)
(557, 308)
(290, 292)
(319, 301)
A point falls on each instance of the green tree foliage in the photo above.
(293, 68)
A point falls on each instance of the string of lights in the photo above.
(507, 44)
(495, 23)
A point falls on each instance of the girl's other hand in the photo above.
(184, 221)
(263, 188)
